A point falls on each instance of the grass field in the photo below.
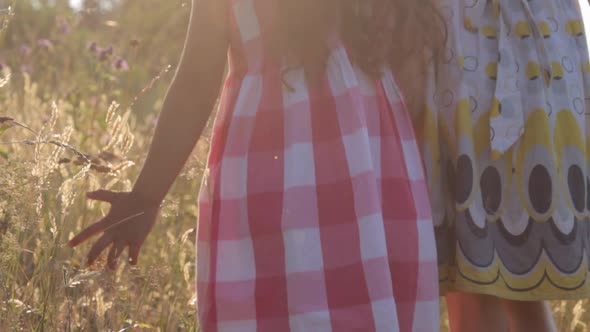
(89, 111)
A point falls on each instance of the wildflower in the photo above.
(25, 50)
(102, 56)
(3, 66)
(46, 44)
(109, 50)
(105, 53)
(120, 64)
(63, 26)
(93, 47)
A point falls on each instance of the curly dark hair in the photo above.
(405, 35)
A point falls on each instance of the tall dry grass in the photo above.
(75, 147)
(44, 284)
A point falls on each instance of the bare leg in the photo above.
(528, 316)
(476, 312)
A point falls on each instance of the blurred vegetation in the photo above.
(88, 83)
(53, 43)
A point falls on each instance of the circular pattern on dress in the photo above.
(540, 189)
(470, 63)
(553, 24)
(576, 185)
(578, 106)
(491, 190)
(444, 99)
(567, 64)
(465, 181)
(530, 198)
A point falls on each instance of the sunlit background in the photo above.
(584, 4)
(89, 81)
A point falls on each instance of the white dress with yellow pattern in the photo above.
(506, 135)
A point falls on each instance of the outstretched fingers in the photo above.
(134, 249)
(102, 196)
(90, 231)
(98, 247)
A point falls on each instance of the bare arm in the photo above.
(186, 109)
(190, 99)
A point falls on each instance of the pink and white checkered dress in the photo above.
(314, 213)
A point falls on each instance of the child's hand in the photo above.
(127, 224)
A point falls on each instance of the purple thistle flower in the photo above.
(63, 25)
(120, 64)
(105, 53)
(109, 50)
(93, 47)
(3, 66)
(102, 56)
(25, 50)
(46, 44)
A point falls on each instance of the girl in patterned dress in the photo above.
(510, 182)
(314, 213)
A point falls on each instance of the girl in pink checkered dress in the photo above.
(314, 213)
